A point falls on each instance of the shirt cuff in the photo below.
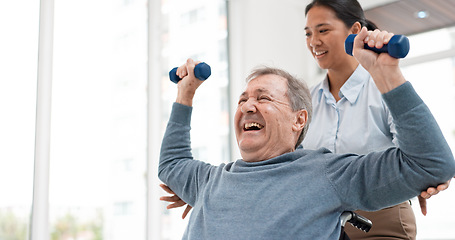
(181, 114)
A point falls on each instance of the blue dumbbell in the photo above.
(202, 71)
(398, 46)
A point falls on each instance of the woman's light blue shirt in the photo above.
(359, 122)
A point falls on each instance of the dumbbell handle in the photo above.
(398, 46)
(201, 71)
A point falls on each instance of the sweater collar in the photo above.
(242, 166)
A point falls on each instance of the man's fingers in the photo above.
(382, 38)
(190, 64)
(358, 41)
(372, 38)
(182, 71)
(423, 205)
(187, 210)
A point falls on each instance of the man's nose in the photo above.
(249, 106)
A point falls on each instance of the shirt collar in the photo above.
(323, 90)
(351, 88)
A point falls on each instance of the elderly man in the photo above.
(278, 192)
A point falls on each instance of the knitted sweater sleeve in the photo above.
(177, 168)
(381, 179)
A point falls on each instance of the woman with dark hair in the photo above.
(349, 113)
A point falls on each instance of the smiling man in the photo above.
(279, 192)
(271, 117)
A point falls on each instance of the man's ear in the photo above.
(300, 120)
(355, 28)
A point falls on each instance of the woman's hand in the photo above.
(431, 192)
(174, 200)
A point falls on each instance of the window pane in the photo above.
(98, 148)
(419, 42)
(437, 89)
(18, 74)
(197, 30)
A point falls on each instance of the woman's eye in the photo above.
(241, 101)
(323, 30)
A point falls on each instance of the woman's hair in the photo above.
(298, 93)
(348, 11)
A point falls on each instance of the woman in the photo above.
(349, 114)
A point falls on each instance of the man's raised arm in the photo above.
(177, 169)
(423, 159)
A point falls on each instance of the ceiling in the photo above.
(401, 17)
(367, 4)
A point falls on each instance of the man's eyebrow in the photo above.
(262, 90)
(258, 90)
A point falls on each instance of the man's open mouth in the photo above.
(252, 126)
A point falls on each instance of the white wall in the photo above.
(267, 32)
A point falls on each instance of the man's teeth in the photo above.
(319, 53)
(253, 125)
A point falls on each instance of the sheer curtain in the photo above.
(98, 169)
(18, 55)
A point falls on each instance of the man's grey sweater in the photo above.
(301, 194)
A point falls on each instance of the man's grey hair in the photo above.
(298, 93)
